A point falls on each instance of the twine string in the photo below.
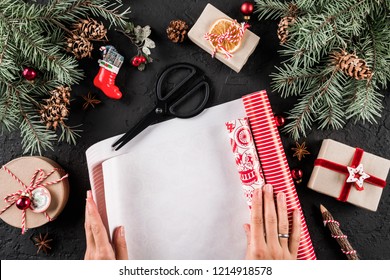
(339, 236)
(37, 180)
(231, 36)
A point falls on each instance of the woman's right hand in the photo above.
(268, 235)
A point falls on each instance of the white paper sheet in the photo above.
(175, 188)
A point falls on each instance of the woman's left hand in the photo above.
(98, 243)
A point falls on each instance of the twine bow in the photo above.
(231, 36)
(36, 181)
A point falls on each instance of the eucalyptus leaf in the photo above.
(149, 43)
(146, 50)
(147, 31)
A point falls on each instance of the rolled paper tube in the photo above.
(273, 161)
(246, 158)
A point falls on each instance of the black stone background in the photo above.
(368, 232)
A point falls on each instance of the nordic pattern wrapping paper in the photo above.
(245, 156)
(273, 161)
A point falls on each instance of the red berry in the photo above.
(142, 59)
(136, 61)
(23, 202)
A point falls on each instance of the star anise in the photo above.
(42, 242)
(90, 100)
(300, 150)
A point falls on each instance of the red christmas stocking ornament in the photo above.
(109, 68)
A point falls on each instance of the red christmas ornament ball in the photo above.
(29, 73)
(136, 61)
(247, 9)
(297, 175)
(279, 120)
(23, 202)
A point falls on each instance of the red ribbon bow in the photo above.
(345, 190)
(37, 180)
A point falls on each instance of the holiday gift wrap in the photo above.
(274, 162)
(33, 191)
(349, 174)
(246, 158)
(199, 34)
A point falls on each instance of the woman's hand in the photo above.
(98, 244)
(268, 235)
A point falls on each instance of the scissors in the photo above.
(177, 102)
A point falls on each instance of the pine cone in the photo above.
(352, 65)
(90, 29)
(177, 31)
(55, 110)
(79, 46)
(283, 26)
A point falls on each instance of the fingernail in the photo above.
(122, 231)
(268, 188)
(89, 194)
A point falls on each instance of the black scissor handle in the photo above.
(198, 109)
(166, 72)
(183, 92)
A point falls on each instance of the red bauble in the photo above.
(297, 175)
(279, 120)
(29, 73)
(136, 61)
(23, 202)
(247, 9)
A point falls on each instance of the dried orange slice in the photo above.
(222, 26)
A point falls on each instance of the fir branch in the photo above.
(45, 55)
(329, 94)
(110, 12)
(34, 35)
(35, 136)
(301, 116)
(365, 102)
(330, 112)
(69, 134)
(72, 10)
(271, 9)
(314, 105)
(292, 81)
(8, 110)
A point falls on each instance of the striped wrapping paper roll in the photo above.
(273, 161)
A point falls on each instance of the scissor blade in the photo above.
(140, 126)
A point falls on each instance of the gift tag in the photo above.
(41, 199)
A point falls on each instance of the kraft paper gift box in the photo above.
(349, 174)
(202, 26)
(19, 178)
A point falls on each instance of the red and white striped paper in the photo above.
(273, 161)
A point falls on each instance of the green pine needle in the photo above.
(326, 95)
(33, 35)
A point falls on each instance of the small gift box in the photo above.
(349, 174)
(222, 37)
(33, 191)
